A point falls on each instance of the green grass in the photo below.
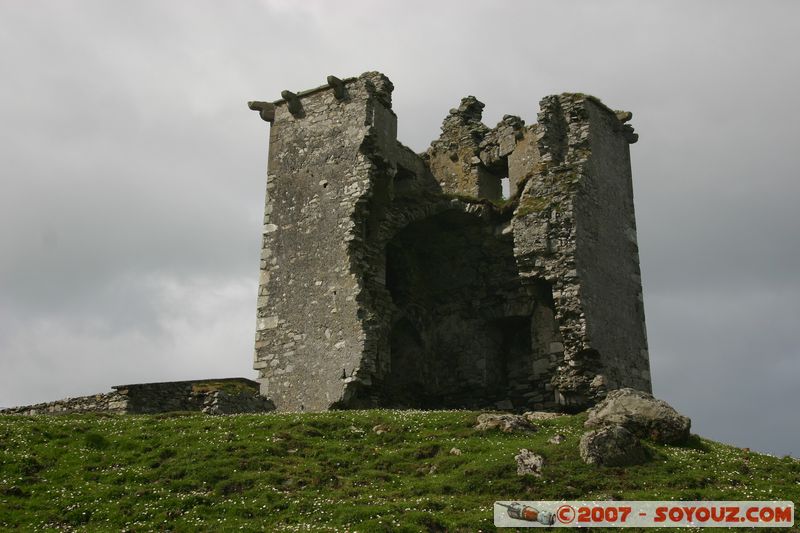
(231, 387)
(330, 472)
(533, 204)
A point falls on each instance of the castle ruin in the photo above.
(396, 279)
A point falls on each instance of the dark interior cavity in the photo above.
(461, 332)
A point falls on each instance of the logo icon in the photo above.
(525, 512)
(566, 514)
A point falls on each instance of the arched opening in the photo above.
(461, 319)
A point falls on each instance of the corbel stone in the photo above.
(338, 87)
(623, 116)
(293, 101)
(265, 109)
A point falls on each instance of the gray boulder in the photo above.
(642, 415)
(534, 416)
(529, 463)
(503, 422)
(611, 446)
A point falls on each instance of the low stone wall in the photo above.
(224, 403)
(212, 396)
(110, 402)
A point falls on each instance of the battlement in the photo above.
(396, 279)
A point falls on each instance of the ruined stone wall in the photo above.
(574, 228)
(310, 332)
(607, 257)
(455, 158)
(385, 272)
(220, 396)
(110, 402)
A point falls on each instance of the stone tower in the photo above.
(396, 279)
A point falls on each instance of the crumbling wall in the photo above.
(607, 256)
(320, 180)
(455, 158)
(574, 230)
(385, 272)
(218, 396)
(109, 402)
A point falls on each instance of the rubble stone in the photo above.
(534, 416)
(529, 463)
(503, 422)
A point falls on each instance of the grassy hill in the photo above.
(330, 472)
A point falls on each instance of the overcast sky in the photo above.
(133, 174)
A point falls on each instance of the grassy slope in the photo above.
(314, 472)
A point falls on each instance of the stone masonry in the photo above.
(211, 396)
(396, 279)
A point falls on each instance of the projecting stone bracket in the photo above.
(265, 109)
(627, 129)
(293, 102)
(338, 87)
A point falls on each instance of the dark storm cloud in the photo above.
(133, 174)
